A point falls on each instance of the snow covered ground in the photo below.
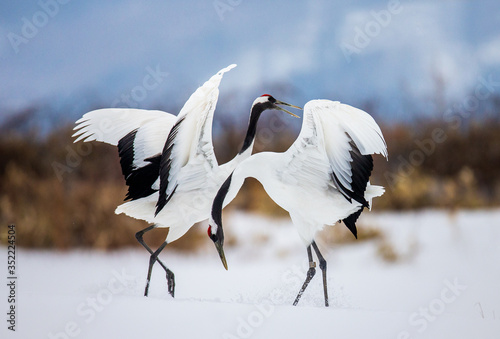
(444, 284)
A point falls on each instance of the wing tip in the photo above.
(228, 68)
(163, 199)
(220, 73)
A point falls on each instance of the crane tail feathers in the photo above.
(350, 222)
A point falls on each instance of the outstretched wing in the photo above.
(351, 136)
(139, 135)
(189, 143)
(334, 148)
(109, 125)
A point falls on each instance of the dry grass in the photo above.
(76, 209)
(339, 234)
(387, 252)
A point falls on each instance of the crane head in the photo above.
(217, 235)
(267, 101)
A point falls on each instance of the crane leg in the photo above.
(322, 266)
(170, 275)
(310, 274)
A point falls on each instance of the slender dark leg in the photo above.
(310, 274)
(169, 273)
(139, 238)
(152, 260)
(322, 266)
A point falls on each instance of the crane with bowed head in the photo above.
(168, 161)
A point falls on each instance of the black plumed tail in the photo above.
(350, 222)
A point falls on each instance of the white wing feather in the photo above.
(193, 135)
(151, 138)
(323, 144)
(341, 123)
(109, 125)
(308, 165)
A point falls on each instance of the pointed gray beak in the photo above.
(284, 110)
(220, 249)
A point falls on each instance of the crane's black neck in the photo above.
(255, 113)
(218, 203)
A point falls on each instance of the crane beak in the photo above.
(284, 110)
(220, 249)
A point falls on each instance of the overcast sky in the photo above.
(75, 52)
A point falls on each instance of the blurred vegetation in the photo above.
(63, 195)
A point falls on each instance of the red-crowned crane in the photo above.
(322, 178)
(168, 161)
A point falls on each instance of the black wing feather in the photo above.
(126, 153)
(138, 179)
(141, 180)
(361, 169)
(165, 165)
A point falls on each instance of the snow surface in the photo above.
(444, 285)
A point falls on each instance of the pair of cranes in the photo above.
(174, 179)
